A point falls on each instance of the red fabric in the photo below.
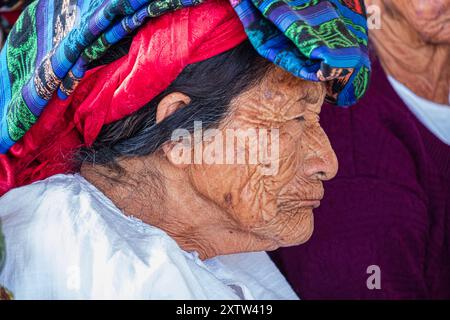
(159, 52)
(11, 16)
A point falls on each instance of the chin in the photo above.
(301, 234)
(298, 230)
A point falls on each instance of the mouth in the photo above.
(293, 201)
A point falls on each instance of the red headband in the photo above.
(159, 52)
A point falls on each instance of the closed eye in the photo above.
(301, 118)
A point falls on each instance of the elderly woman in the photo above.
(132, 220)
(382, 231)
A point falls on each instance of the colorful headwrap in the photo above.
(43, 64)
(316, 40)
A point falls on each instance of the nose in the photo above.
(321, 162)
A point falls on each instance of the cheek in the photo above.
(219, 183)
(270, 205)
(428, 18)
(246, 192)
(261, 193)
(238, 189)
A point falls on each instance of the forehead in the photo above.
(280, 96)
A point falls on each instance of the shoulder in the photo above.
(48, 210)
(66, 240)
(43, 229)
(55, 190)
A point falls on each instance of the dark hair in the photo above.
(211, 85)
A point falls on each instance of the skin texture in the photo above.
(222, 209)
(414, 45)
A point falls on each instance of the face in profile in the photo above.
(275, 208)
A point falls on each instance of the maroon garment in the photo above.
(388, 206)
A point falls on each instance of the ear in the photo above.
(171, 103)
(167, 106)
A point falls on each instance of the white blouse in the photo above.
(66, 240)
(435, 117)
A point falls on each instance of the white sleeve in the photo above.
(64, 242)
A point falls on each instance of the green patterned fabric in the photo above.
(317, 40)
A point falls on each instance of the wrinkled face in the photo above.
(429, 18)
(275, 205)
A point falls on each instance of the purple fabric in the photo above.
(388, 206)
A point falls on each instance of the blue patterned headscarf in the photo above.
(313, 39)
(51, 44)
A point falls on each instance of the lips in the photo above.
(292, 200)
(315, 199)
(310, 203)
